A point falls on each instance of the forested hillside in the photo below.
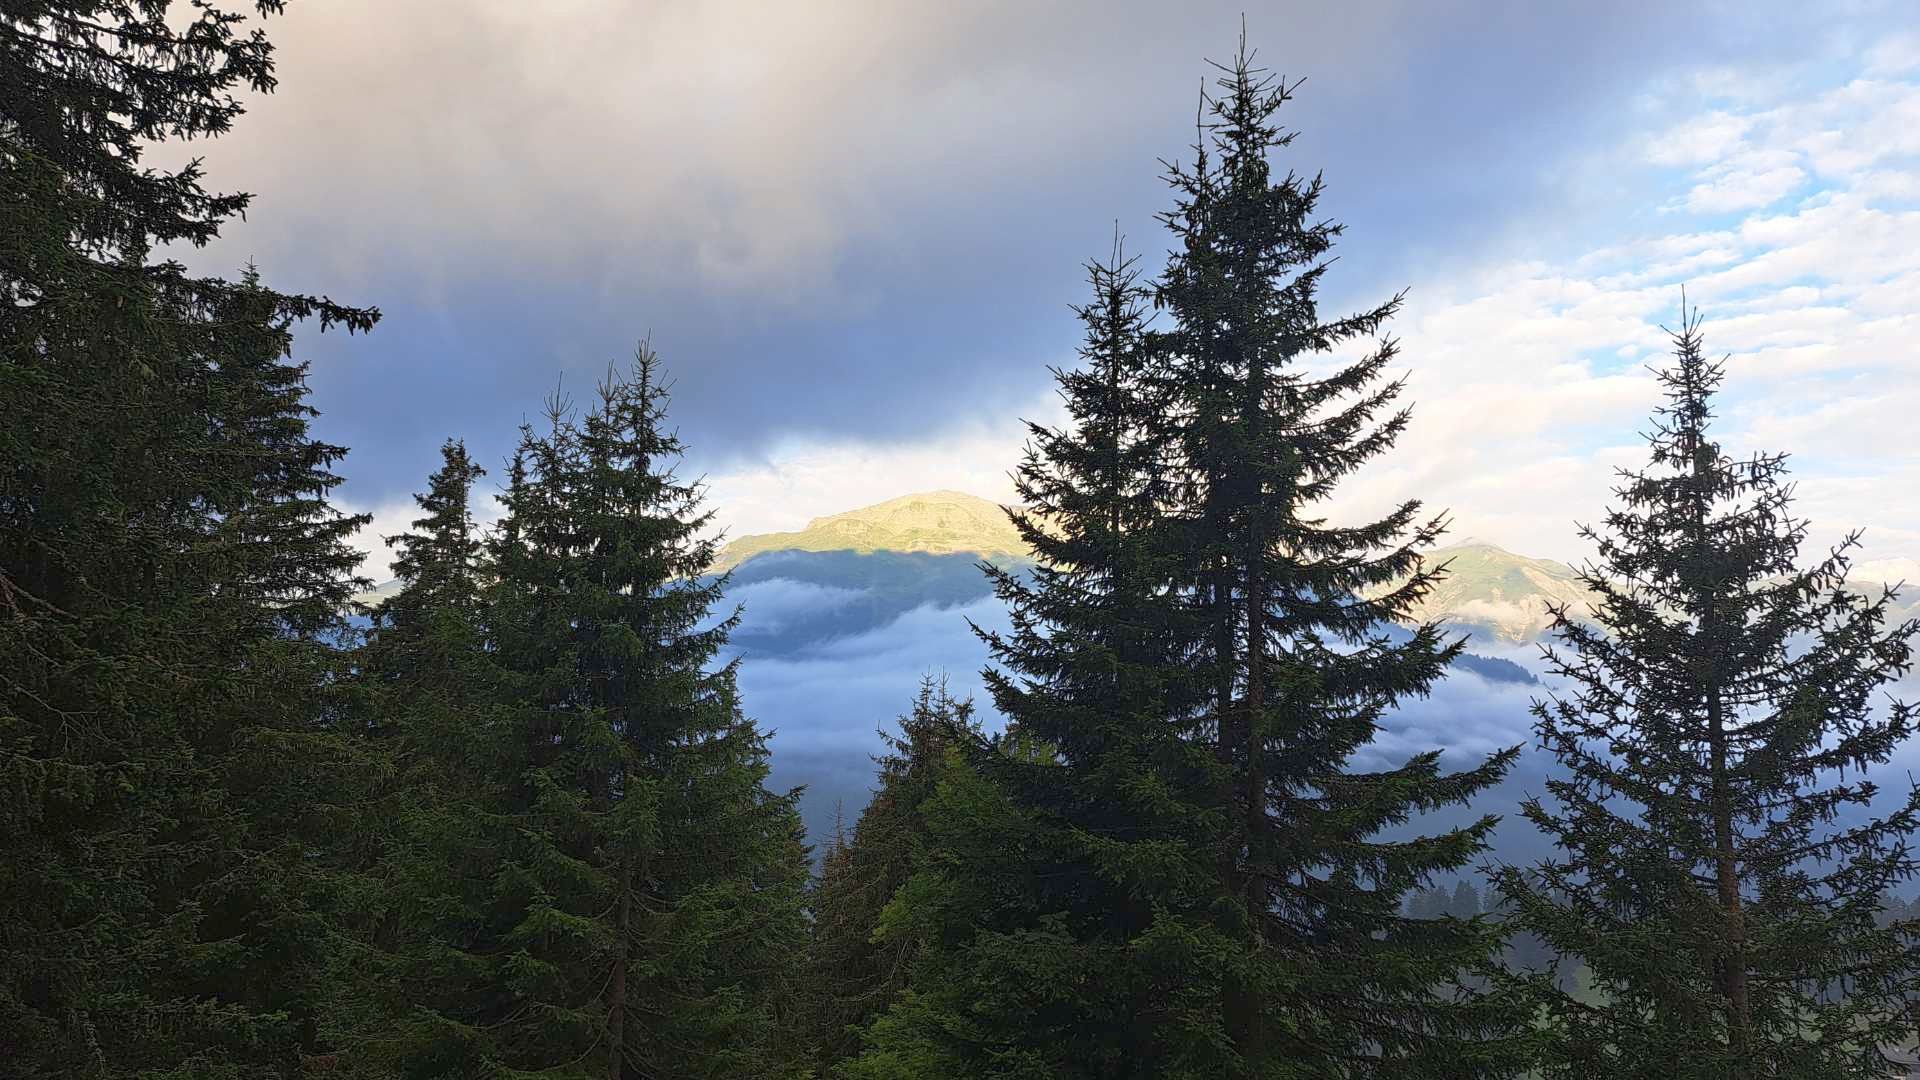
(513, 815)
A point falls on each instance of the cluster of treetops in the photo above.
(520, 825)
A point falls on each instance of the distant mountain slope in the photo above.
(1489, 591)
(374, 596)
(1497, 596)
(1871, 577)
(932, 523)
(800, 600)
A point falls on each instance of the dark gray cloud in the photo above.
(861, 219)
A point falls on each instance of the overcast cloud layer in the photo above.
(854, 229)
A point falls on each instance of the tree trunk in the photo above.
(1733, 974)
(1254, 791)
(1727, 880)
(617, 1010)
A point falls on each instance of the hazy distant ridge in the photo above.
(1497, 595)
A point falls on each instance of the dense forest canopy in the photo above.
(512, 816)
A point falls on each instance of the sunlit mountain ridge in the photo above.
(1500, 597)
(930, 522)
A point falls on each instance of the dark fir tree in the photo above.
(1172, 868)
(851, 976)
(171, 578)
(1327, 978)
(425, 968)
(1064, 903)
(1721, 859)
(439, 562)
(1428, 903)
(654, 900)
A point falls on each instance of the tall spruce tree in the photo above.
(1465, 903)
(439, 563)
(852, 977)
(171, 577)
(425, 963)
(1327, 977)
(656, 893)
(1721, 871)
(1061, 906)
(1171, 869)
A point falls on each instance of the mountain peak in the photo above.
(920, 504)
(941, 522)
(1471, 542)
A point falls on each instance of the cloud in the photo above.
(739, 147)
(1527, 369)
(1746, 185)
(1530, 377)
(826, 699)
(776, 603)
(800, 479)
(851, 223)
(1896, 54)
(1702, 141)
(826, 702)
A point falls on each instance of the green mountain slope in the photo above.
(1497, 594)
(933, 523)
(1494, 594)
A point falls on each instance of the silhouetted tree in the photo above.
(179, 777)
(654, 900)
(427, 957)
(1465, 902)
(1325, 975)
(1709, 878)
(851, 976)
(1079, 845)
(1170, 867)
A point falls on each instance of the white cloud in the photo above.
(801, 480)
(772, 604)
(1529, 377)
(1700, 142)
(392, 519)
(1897, 54)
(389, 519)
(1745, 185)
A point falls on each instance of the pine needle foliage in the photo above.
(852, 976)
(655, 894)
(1177, 861)
(1723, 856)
(1328, 978)
(178, 772)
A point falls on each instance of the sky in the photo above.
(855, 231)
